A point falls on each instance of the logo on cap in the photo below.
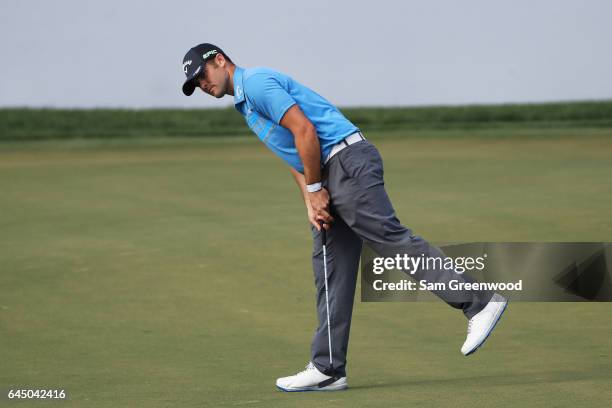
(185, 66)
(208, 54)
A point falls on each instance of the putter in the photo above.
(331, 372)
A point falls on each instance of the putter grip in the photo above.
(323, 233)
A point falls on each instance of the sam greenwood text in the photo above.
(407, 285)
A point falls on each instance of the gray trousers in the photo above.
(363, 214)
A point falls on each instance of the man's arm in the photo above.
(299, 180)
(307, 144)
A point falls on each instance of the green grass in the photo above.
(177, 273)
(55, 124)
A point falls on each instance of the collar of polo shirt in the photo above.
(238, 86)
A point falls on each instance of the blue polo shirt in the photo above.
(263, 95)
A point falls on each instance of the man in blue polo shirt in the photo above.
(340, 175)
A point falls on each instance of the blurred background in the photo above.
(128, 54)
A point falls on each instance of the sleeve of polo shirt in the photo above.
(268, 96)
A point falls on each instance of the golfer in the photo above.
(340, 175)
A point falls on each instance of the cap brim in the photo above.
(189, 86)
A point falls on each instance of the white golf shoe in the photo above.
(311, 379)
(482, 324)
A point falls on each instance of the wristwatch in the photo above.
(314, 187)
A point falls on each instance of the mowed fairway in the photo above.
(178, 275)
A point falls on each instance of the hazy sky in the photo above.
(126, 53)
